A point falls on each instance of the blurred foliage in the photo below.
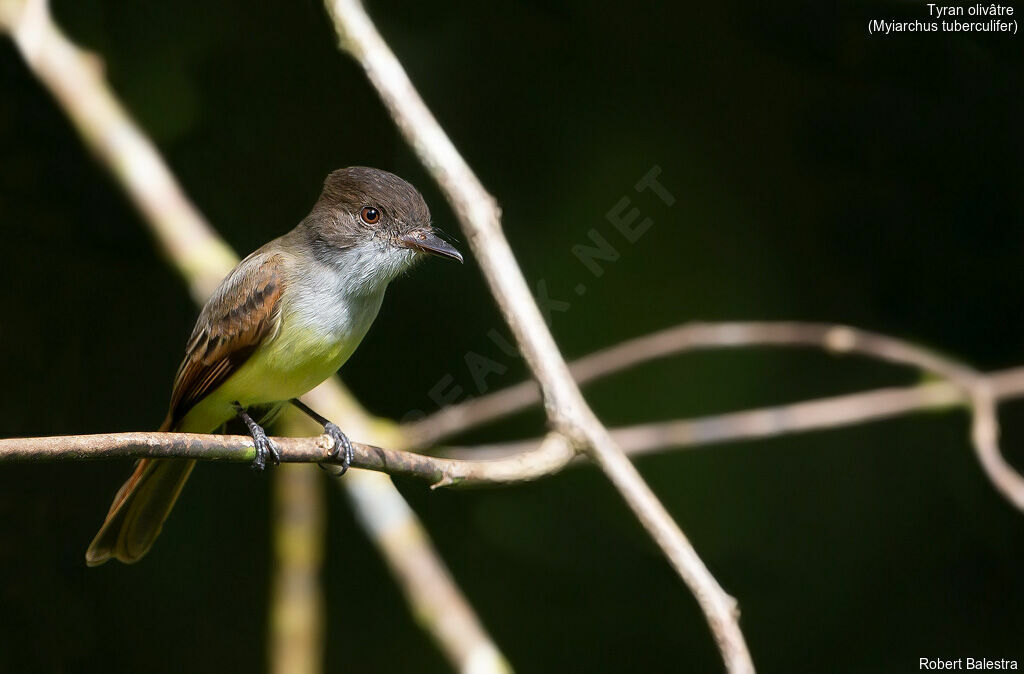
(819, 174)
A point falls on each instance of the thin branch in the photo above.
(963, 384)
(773, 421)
(567, 411)
(547, 458)
(765, 422)
(75, 79)
(824, 413)
(673, 341)
(483, 409)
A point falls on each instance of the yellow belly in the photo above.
(286, 367)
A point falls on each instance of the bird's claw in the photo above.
(342, 448)
(265, 448)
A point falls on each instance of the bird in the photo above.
(286, 318)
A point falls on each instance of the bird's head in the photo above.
(374, 222)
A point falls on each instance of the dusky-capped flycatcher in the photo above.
(284, 320)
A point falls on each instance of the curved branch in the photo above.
(671, 341)
(477, 411)
(963, 384)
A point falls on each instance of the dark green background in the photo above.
(820, 174)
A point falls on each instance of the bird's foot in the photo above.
(342, 448)
(265, 447)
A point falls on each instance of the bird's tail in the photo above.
(139, 510)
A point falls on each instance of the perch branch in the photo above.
(567, 411)
(548, 457)
(75, 79)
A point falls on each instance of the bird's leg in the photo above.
(342, 445)
(264, 445)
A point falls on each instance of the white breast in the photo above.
(338, 300)
(328, 308)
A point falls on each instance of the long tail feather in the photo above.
(139, 510)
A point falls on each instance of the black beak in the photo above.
(428, 242)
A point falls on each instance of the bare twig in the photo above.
(550, 456)
(766, 422)
(682, 339)
(778, 420)
(481, 468)
(75, 79)
(963, 384)
(477, 411)
(824, 413)
(567, 411)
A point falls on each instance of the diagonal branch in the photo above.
(567, 411)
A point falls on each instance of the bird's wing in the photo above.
(243, 312)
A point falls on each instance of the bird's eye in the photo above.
(370, 215)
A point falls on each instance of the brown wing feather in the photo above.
(243, 312)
